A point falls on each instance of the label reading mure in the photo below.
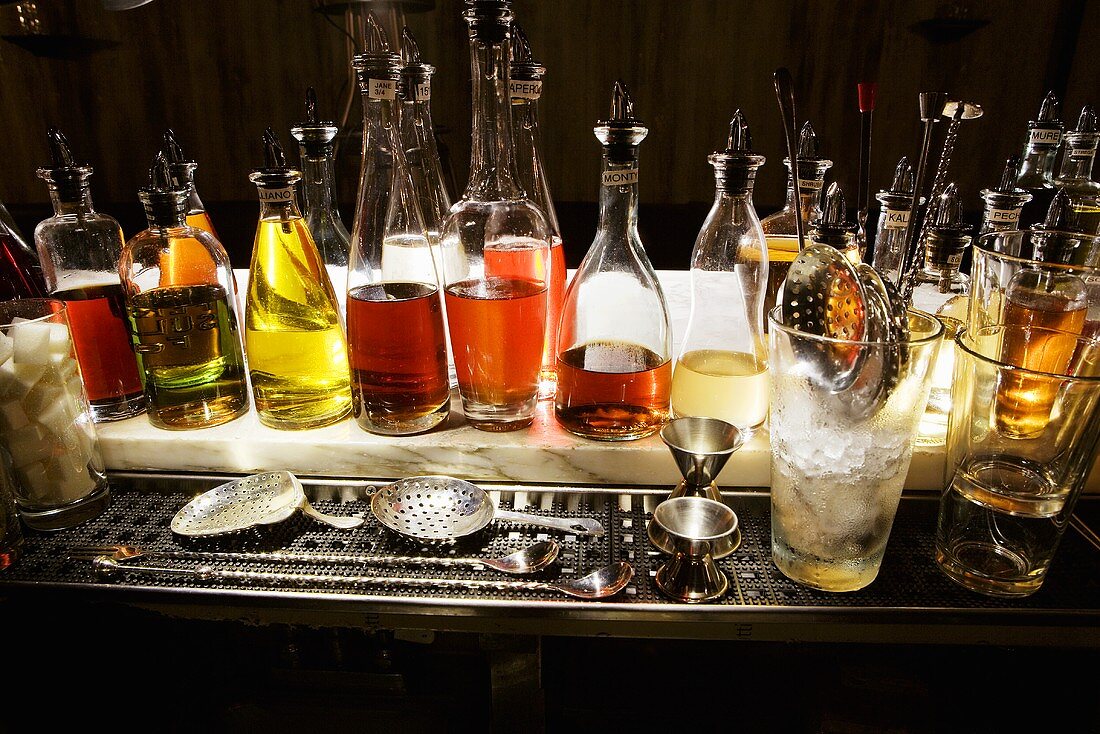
(1004, 216)
(811, 184)
(896, 219)
(625, 177)
(276, 195)
(1043, 136)
(381, 89)
(524, 89)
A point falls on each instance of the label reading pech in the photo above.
(896, 219)
(620, 178)
(381, 89)
(1004, 216)
(524, 89)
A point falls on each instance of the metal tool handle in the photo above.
(294, 557)
(578, 525)
(336, 521)
(940, 177)
(208, 573)
(784, 92)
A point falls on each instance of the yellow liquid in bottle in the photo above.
(294, 338)
(716, 383)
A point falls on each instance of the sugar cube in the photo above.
(70, 483)
(57, 416)
(27, 445)
(41, 397)
(7, 347)
(32, 343)
(60, 344)
(37, 487)
(12, 415)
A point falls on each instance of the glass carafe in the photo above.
(615, 340)
(1075, 176)
(294, 336)
(495, 249)
(79, 249)
(184, 325)
(525, 90)
(1036, 175)
(893, 222)
(396, 343)
(1004, 203)
(722, 369)
(182, 171)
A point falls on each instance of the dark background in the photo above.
(220, 72)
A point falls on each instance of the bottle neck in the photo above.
(1078, 158)
(279, 203)
(69, 205)
(492, 162)
(619, 197)
(1037, 167)
(532, 175)
(809, 194)
(318, 183)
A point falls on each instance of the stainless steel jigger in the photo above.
(700, 447)
(695, 525)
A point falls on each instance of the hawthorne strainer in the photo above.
(442, 508)
(259, 499)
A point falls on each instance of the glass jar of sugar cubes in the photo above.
(47, 437)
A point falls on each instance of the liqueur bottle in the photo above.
(944, 247)
(182, 173)
(614, 345)
(79, 249)
(779, 228)
(318, 188)
(20, 274)
(1075, 176)
(525, 90)
(722, 369)
(495, 249)
(184, 325)
(1044, 137)
(1005, 203)
(294, 337)
(396, 343)
(893, 222)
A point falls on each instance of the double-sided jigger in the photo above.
(700, 447)
(695, 526)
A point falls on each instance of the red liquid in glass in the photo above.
(97, 319)
(20, 276)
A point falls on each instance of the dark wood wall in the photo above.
(218, 72)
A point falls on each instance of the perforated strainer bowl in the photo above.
(442, 508)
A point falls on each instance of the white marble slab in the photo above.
(541, 453)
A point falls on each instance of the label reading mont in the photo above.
(620, 178)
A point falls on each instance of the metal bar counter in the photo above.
(911, 601)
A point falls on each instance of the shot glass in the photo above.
(1021, 442)
(48, 437)
(838, 467)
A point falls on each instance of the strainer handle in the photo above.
(576, 525)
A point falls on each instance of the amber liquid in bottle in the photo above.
(184, 338)
(97, 318)
(613, 390)
(401, 382)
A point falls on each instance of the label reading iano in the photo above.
(381, 89)
(276, 195)
(620, 178)
(896, 219)
(524, 89)
(1041, 136)
(1004, 216)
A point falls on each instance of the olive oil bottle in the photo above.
(294, 333)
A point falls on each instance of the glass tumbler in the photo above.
(48, 437)
(838, 463)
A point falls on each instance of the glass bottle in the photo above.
(1005, 202)
(294, 337)
(20, 273)
(1044, 137)
(7, 219)
(615, 340)
(722, 369)
(184, 325)
(944, 247)
(893, 222)
(318, 190)
(779, 228)
(399, 375)
(79, 249)
(1075, 176)
(525, 90)
(182, 172)
(495, 249)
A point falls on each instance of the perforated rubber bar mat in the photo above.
(142, 508)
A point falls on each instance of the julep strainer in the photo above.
(442, 508)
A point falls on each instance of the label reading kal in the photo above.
(625, 177)
(1041, 136)
(276, 195)
(896, 219)
(1004, 216)
(381, 89)
(524, 89)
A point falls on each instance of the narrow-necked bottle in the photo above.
(294, 336)
(1075, 175)
(188, 260)
(615, 340)
(893, 222)
(79, 249)
(496, 249)
(525, 90)
(315, 138)
(184, 325)
(1005, 202)
(722, 369)
(396, 343)
(947, 241)
(1036, 175)
(779, 228)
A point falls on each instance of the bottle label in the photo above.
(896, 219)
(1042, 136)
(811, 184)
(422, 91)
(955, 259)
(620, 178)
(276, 195)
(1004, 216)
(524, 89)
(1081, 152)
(381, 89)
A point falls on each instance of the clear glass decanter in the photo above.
(893, 222)
(495, 249)
(615, 340)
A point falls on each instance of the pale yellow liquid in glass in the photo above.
(715, 383)
(294, 338)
